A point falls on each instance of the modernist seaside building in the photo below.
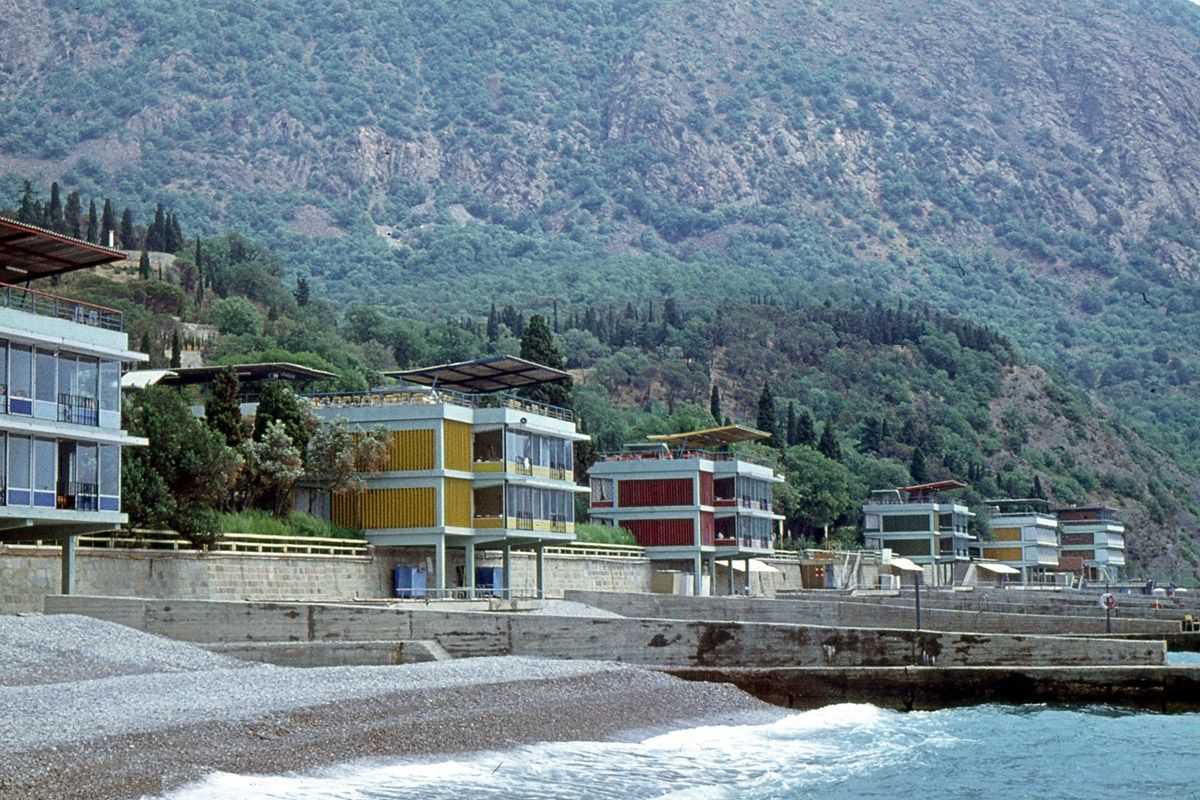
(1093, 542)
(1024, 537)
(921, 524)
(469, 465)
(60, 396)
(683, 500)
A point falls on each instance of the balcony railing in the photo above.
(79, 497)
(78, 409)
(708, 455)
(397, 397)
(48, 305)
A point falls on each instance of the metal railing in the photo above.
(265, 544)
(397, 397)
(79, 496)
(78, 409)
(673, 455)
(48, 305)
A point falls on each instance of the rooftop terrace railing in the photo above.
(402, 397)
(674, 455)
(48, 305)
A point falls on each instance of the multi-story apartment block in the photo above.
(469, 465)
(922, 524)
(1024, 537)
(1093, 542)
(684, 501)
(60, 396)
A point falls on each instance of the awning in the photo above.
(999, 569)
(905, 564)
(755, 566)
(484, 375)
(711, 437)
(141, 378)
(27, 252)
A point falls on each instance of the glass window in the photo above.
(68, 374)
(3, 367)
(18, 462)
(21, 371)
(45, 463)
(110, 386)
(87, 464)
(110, 469)
(89, 375)
(46, 377)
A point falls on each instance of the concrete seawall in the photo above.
(650, 641)
(1167, 689)
(850, 612)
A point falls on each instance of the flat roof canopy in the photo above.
(711, 437)
(999, 569)
(246, 373)
(484, 375)
(923, 489)
(28, 252)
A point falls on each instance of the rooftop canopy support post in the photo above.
(698, 577)
(729, 566)
(506, 572)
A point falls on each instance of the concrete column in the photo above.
(507, 577)
(698, 566)
(439, 568)
(68, 565)
(469, 570)
(541, 571)
(729, 565)
(747, 575)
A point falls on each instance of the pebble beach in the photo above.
(93, 709)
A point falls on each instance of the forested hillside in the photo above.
(1029, 166)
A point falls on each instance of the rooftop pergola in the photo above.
(483, 376)
(915, 493)
(28, 252)
(246, 373)
(710, 437)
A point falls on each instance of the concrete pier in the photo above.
(1167, 689)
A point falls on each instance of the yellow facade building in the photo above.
(469, 465)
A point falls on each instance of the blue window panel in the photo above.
(43, 499)
(110, 503)
(110, 419)
(18, 497)
(20, 405)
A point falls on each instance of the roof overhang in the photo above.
(141, 378)
(246, 373)
(484, 375)
(904, 565)
(755, 566)
(711, 437)
(28, 252)
(999, 569)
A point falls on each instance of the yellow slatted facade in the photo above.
(1007, 534)
(1004, 553)
(410, 450)
(386, 508)
(456, 445)
(457, 497)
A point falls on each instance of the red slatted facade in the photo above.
(664, 492)
(707, 528)
(706, 488)
(661, 532)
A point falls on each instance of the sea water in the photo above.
(842, 751)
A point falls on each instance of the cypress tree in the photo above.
(766, 420)
(93, 223)
(54, 210)
(791, 423)
(108, 224)
(301, 288)
(493, 325)
(537, 345)
(714, 404)
(73, 216)
(144, 266)
(176, 349)
(128, 236)
(174, 234)
(223, 410)
(156, 234)
(829, 446)
(28, 212)
(917, 468)
(1038, 491)
(806, 433)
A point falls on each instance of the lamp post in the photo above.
(917, 589)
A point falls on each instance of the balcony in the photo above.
(79, 497)
(78, 409)
(48, 305)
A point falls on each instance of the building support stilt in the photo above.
(541, 571)
(68, 565)
(506, 576)
(469, 570)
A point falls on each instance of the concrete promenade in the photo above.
(321, 631)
